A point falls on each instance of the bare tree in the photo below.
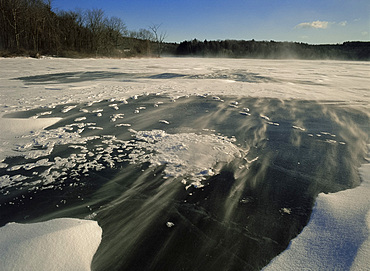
(159, 37)
(13, 14)
(33, 27)
(115, 29)
(94, 20)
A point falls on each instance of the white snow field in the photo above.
(59, 244)
(337, 235)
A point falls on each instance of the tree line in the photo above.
(31, 27)
(274, 50)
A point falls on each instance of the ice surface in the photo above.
(60, 244)
(337, 236)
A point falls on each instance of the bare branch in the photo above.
(159, 37)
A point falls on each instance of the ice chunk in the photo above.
(115, 106)
(286, 210)
(298, 128)
(184, 154)
(265, 117)
(46, 113)
(114, 117)
(68, 108)
(245, 113)
(123, 124)
(164, 121)
(80, 119)
(170, 224)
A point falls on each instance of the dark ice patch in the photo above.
(243, 216)
(69, 77)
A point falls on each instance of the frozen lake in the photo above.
(189, 164)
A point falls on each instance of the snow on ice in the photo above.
(337, 236)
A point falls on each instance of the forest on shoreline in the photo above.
(33, 28)
(274, 50)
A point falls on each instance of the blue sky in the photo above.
(311, 21)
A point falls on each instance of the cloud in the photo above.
(315, 24)
(344, 23)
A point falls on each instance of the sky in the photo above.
(309, 21)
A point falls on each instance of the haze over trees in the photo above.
(274, 50)
(33, 28)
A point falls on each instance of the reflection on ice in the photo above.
(235, 187)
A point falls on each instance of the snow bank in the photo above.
(337, 236)
(59, 244)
